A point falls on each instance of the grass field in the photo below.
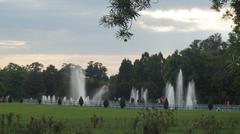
(117, 119)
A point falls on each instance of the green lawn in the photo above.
(114, 118)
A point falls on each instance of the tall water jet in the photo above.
(53, 99)
(77, 83)
(99, 95)
(170, 95)
(179, 90)
(49, 99)
(144, 95)
(133, 95)
(191, 99)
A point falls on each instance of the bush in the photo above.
(153, 122)
(106, 103)
(81, 102)
(21, 101)
(10, 99)
(166, 104)
(96, 122)
(209, 124)
(59, 101)
(122, 103)
(210, 105)
(39, 101)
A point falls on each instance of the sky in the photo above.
(68, 31)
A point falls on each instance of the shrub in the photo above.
(21, 101)
(10, 99)
(96, 121)
(81, 102)
(122, 103)
(153, 122)
(106, 103)
(209, 124)
(39, 101)
(210, 105)
(166, 104)
(59, 101)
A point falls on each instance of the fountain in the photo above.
(191, 95)
(179, 90)
(170, 95)
(77, 83)
(48, 99)
(99, 94)
(53, 99)
(64, 100)
(144, 95)
(134, 95)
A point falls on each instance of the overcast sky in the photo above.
(64, 31)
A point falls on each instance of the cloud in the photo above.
(185, 20)
(112, 62)
(11, 44)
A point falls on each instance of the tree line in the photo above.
(208, 62)
(33, 81)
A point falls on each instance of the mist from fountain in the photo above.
(179, 90)
(99, 94)
(77, 83)
(133, 95)
(191, 99)
(170, 95)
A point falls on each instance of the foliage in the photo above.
(10, 124)
(210, 104)
(209, 124)
(121, 15)
(154, 122)
(96, 121)
(96, 76)
(116, 121)
(122, 103)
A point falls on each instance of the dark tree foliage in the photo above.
(210, 104)
(121, 15)
(96, 74)
(50, 80)
(34, 84)
(63, 80)
(123, 81)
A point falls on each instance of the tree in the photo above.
(96, 76)
(34, 84)
(50, 80)
(13, 77)
(121, 15)
(63, 80)
(123, 83)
